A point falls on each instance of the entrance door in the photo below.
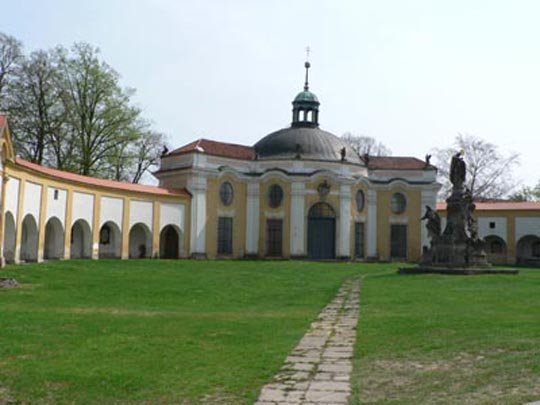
(398, 241)
(321, 232)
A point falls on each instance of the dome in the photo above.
(304, 143)
(306, 96)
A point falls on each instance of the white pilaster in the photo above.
(429, 198)
(298, 243)
(252, 219)
(198, 188)
(371, 244)
(344, 246)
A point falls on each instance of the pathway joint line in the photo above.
(317, 371)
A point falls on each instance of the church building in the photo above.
(299, 192)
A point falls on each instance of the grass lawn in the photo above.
(448, 339)
(155, 331)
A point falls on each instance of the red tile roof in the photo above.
(215, 148)
(397, 163)
(499, 205)
(92, 181)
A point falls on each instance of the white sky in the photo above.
(410, 73)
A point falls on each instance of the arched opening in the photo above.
(9, 237)
(528, 250)
(495, 249)
(29, 239)
(54, 239)
(81, 240)
(110, 241)
(169, 242)
(321, 232)
(140, 241)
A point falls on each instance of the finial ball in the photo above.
(307, 65)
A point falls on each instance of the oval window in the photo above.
(360, 200)
(275, 196)
(399, 203)
(226, 193)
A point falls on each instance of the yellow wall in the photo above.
(284, 208)
(385, 218)
(238, 206)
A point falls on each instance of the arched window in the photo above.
(496, 246)
(536, 249)
(398, 203)
(321, 210)
(275, 196)
(360, 200)
(105, 234)
(226, 193)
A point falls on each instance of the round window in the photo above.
(275, 196)
(399, 203)
(226, 193)
(360, 200)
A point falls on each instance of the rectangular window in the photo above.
(274, 237)
(225, 235)
(359, 240)
(398, 241)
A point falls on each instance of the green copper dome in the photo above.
(306, 96)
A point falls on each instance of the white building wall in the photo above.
(82, 208)
(527, 226)
(172, 214)
(12, 196)
(500, 229)
(32, 200)
(198, 187)
(141, 211)
(111, 209)
(56, 207)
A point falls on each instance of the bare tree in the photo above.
(366, 145)
(489, 172)
(10, 55)
(526, 193)
(34, 105)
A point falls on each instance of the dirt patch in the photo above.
(466, 378)
(8, 283)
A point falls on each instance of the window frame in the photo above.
(394, 201)
(225, 236)
(226, 193)
(274, 193)
(274, 246)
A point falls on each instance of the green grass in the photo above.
(448, 339)
(155, 331)
(214, 332)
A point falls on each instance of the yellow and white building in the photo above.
(300, 192)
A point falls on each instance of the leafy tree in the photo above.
(366, 145)
(489, 172)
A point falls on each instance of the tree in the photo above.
(366, 145)
(10, 55)
(526, 193)
(489, 173)
(35, 108)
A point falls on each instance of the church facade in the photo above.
(299, 192)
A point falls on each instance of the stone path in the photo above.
(317, 371)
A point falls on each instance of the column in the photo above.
(371, 225)
(96, 226)
(67, 224)
(344, 243)
(156, 215)
(19, 219)
(198, 188)
(298, 242)
(124, 254)
(5, 179)
(252, 219)
(41, 222)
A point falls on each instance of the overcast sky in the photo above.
(412, 74)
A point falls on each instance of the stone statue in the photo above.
(457, 170)
(343, 153)
(433, 224)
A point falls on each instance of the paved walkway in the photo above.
(317, 371)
